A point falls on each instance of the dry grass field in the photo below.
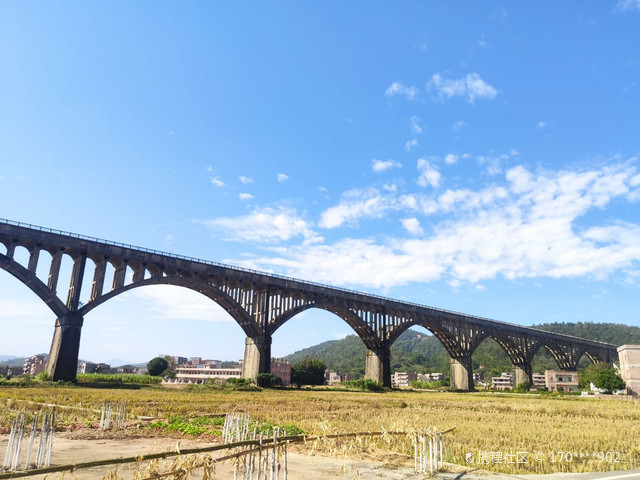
(497, 432)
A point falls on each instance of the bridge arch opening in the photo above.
(26, 321)
(144, 322)
(44, 266)
(417, 354)
(109, 276)
(489, 360)
(64, 277)
(87, 281)
(21, 255)
(315, 332)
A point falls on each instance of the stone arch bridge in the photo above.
(260, 303)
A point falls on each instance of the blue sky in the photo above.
(478, 157)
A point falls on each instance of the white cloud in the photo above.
(397, 88)
(265, 225)
(482, 43)
(246, 180)
(245, 196)
(412, 225)
(1, 178)
(471, 87)
(451, 159)
(456, 127)
(525, 224)
(627, 5)
(350, 262)
(216, 182)
(542, 125)
(414, 125)
(283, 177)
(356, 204)
(168, 239)
(493, 164)
(382, 165)
(429, 176)
(411, 144)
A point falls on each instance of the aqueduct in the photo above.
(260, 303)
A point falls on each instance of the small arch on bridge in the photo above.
(21, 255)
(87, 281)
(128, 275)
(44, 266)
(64, 277)
(109, 277)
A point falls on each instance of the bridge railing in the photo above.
(262, 273)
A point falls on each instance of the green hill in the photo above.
(419, 351)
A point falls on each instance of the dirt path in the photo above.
(301, 465)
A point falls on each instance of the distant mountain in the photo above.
(11, 361)
(7, 357)
(117, 362)
(417, 351)
(601, 332)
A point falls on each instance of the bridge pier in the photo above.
(522, 372)
(378, 366)
(462, 373)
(257, 356)
(65, 347)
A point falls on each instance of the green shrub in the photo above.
(523, 387)
(426, 385)
(268, 380)
(223, 385)
(365, 384)
(125, 378)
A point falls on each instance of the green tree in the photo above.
(171, 370)
(268, 380)
(589, 374)
(156, 366)
(309, 371)
(609, 380)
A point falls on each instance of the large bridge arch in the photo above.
(517, 360)
(141, 323)
(461, 370)
(366, 334)
(330, 314)
(232, 307)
